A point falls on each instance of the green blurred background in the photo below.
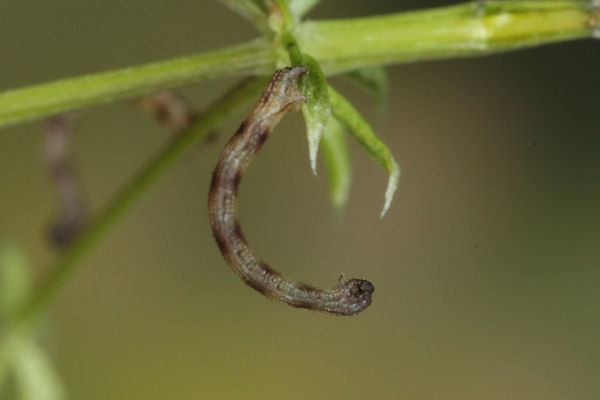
(485, 268)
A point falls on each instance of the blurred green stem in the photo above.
(72, 257)
(474, 28)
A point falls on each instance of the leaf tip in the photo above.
(312, 153)
(391, 187)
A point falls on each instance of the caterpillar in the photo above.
(281, 95)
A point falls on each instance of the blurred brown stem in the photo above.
(73, 212)
(168, 109)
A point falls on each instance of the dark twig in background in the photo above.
(169, 109)
(73, 211)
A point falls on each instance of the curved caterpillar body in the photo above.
(281, 95)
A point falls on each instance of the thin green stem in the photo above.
(252, 58)
(469, 29)
(255, 11)
(334, 147)
(289, 20)
(475, 28)
(81, 247)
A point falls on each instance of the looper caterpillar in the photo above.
(282, 94)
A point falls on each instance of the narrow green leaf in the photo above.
(375, 81)
(255, 11)
(337, 162)
(14, 287)
(345, 112)
(316, 110)
(262, 4)
(4, 358)
(300, 7)
(35, 376)
(14, 278)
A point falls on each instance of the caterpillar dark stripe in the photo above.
(282, 94)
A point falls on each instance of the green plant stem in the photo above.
(339, 45)
(475, 28)
(72, 257)
(252, 58)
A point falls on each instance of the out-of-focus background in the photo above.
(485, 268)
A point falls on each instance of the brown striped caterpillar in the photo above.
(282, 94)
